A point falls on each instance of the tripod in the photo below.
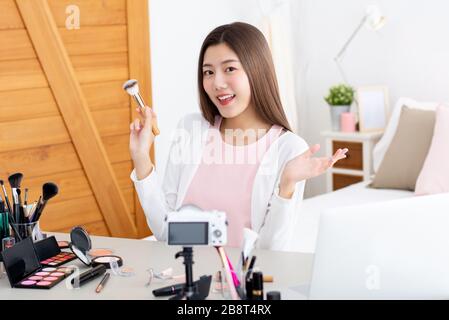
(197, 290)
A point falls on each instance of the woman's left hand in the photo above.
(305, 166)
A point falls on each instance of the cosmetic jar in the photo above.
(106, 261)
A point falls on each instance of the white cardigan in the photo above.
(272, 217)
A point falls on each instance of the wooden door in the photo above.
(64, 116)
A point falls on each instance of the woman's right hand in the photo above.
(140, 141)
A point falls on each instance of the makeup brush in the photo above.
(132, 87)
(30, 211)
(14, 181)
(8, 205)
(18, 208)
(8, 210)
(2, 205)
(11, 220)
(49, 190)
(34, 210)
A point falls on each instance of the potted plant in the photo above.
(339, 98)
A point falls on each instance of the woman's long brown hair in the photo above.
(252, 49)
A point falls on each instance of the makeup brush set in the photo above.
(18, 214)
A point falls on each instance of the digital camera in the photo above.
(191, 226)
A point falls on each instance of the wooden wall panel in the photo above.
(88, 40)
(93, 12)
(15, 45)
(94, 39)
(34, 138)
(24, 134)
(9, 15)
(98, 228)
(39, 102)
(21, 74)
(67, 213)
(26, 74)
(100, 67)
(46, 160)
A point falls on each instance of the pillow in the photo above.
(434, 176)
(383, 144)
(407, 152)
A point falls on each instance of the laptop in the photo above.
(391, 250)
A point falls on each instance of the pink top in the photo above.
(224, 179)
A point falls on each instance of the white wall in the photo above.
(409, 55)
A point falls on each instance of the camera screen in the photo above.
(188, 233)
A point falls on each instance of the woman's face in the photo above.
(225, 81)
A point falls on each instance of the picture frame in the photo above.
(372, 107)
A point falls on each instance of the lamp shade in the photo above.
(375, 20)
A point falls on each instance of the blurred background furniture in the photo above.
(358, 165)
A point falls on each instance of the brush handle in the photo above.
(141, 103)
(155, 128)
(38, 204)
(6, 199)
(17, 212)
(39, 209)
(12, 223)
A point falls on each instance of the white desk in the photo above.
(288, 269)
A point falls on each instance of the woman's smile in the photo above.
(226, 99)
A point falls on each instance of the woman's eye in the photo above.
(207, 72)
(230, 69)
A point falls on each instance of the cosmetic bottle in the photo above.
(273, 295)
(249, 288)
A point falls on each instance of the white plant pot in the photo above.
(336, 112)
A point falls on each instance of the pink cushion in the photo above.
(434, 176)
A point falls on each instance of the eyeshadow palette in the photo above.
(59, 259)
(50, 254)
(45, 278)
(63, 244)
(25, 271)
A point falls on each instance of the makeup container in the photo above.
(50, 254)
(273, 295)
(29, 229)
(81, 245)
(63, 244)
(25, 271)
(7, 242)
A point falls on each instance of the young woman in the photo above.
(239, 155)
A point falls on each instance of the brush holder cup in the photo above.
(26, 230)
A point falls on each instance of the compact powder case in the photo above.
(81, 245)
